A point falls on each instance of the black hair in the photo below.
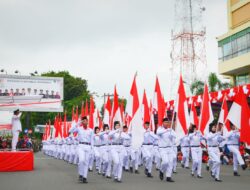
(16, 111)
(96, 129)
(211, 125)
(165, 119)
(147, 123)
(84, 118)
(105, 126)
(125, 127)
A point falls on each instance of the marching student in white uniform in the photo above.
(127, 147)
(213, 140)
(166, 143)
(16, 128)
(117, 150)
(97, 150)
(148, 149)
(195, 138)
(105, 150)
(85, 136)
(185, 149)
(233, 143)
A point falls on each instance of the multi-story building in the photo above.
(234, 46)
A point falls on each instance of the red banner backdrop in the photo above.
(16, 161)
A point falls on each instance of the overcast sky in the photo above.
(103, 41)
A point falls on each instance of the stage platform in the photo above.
(16, 161)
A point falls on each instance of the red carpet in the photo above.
(16, 161)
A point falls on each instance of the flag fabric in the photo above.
(107, 112)
(86, 108)
(157, 102)
(181, 109)
(206, 116)
(115, 113)
(145, 108)
(193, 115)
(91, 113)
(122, 112)
(76, 114)
(82, 110)
(134, 114)
(65, 133)
(239, 115)
(223, 117)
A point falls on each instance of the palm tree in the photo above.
(197, 87)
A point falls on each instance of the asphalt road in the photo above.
(51, 174)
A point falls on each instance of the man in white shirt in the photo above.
(16, 128)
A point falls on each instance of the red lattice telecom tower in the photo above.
(188, 55)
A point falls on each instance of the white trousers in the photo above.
(196, 153)
(84, 156)
(214, 156)
(117, 152)
(15, 135)
(167, 158)
(147, 152)
(237, 159)
(185, 156)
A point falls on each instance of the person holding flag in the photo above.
(167, 137)
(214, 138)
(233, 143)
(85, 136)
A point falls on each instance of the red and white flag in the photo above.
(193, 115)
(115, 114)
(239, 115)
(206, 116)
(223, 117)
(107, 112)
(133, 111)
(181, 109)
(158, 102)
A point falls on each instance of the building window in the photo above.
(235, 45)
(242, 79)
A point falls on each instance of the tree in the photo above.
(214, 84)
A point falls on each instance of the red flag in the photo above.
(157, 102)
(193, 115)
(48, 131)
(91, 113)
(45, 132)
(115, 114)
(223, 117)
(77, 114)
(239, 115)
(65, 133)
(82, 111)
(86, 108)
(206, 116)
(56, 127)
(181, 109)
(107, 111)
(146, 114)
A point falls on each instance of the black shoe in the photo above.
(126, 170)
(80, 177)
(117, 181)
(175, 172)
(131, 170)
(169, 179)
(108, 177)
(182, 165)
(157, 169)
(137, 172)
(244, 166)
(199, 176)
(218, 180)
(103, 174)
(90, 170)
(187, 167)
(84, 180)
(146, 171)
(161, 175)
(236, 174)
(207, 168)
(192, 174)
(123, 168)
(149, 175)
